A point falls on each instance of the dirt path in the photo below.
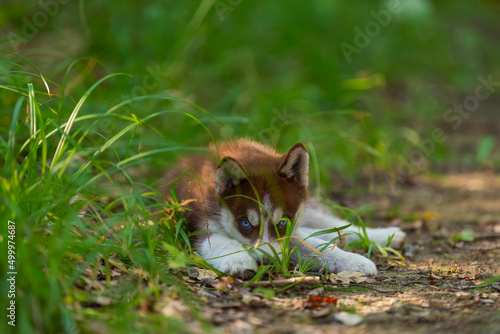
(435, 293)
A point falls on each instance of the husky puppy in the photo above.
(244, 192)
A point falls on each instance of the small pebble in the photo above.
(410, 251)
(193, 272)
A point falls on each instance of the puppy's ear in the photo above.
(295, 165)
(228, 175)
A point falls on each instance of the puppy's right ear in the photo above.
(228, 175)
(295, 165)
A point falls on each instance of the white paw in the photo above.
(339, 260)
(235, 264)
(356, 262)
(381, 235)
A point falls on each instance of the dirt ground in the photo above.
(436, 292)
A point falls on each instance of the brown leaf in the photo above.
(138, 272)
(206, 274)
(93, 284)
(433, 276)
(115, 273)
(118, 265)
(346, 277)
(225, 282)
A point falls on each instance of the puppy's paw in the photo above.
(240, 264)
(339, 260)
(355, 262)
(382, 234)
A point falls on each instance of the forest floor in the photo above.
(436, 292)
(448, 285)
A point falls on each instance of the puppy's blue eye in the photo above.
(283, 222)
(246, 224)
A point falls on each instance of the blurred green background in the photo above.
(377, 90)
(364, 83)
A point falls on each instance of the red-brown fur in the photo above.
(262, 165)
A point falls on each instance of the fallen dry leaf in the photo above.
(139, 273)
(118, 265)
(116, 273)
(225, 282)
(93, 284)
(347, 277)
(433, 276)
(206, 274)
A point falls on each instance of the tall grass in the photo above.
(79, 213)
(85, 210)
(80, 162)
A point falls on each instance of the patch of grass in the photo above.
(345, 308)
(488, 281)
(78, 210)
(72, 189)
(266, 292)
(465, 235)
(364, 243)
(484, 148)
(82, 151)
(280, 258)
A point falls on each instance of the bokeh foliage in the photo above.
(272, 71)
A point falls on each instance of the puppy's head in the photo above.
(263, 197)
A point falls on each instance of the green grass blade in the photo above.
(257, 276)
(32, 65)
(327, 231)
(370, 249)
(69, 124)
(9, 157)
(35, 113)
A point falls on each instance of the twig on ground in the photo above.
(286, 281)
(473, 248)
(487, 236)
(449, 308)
(308, 280)
(361, 286)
